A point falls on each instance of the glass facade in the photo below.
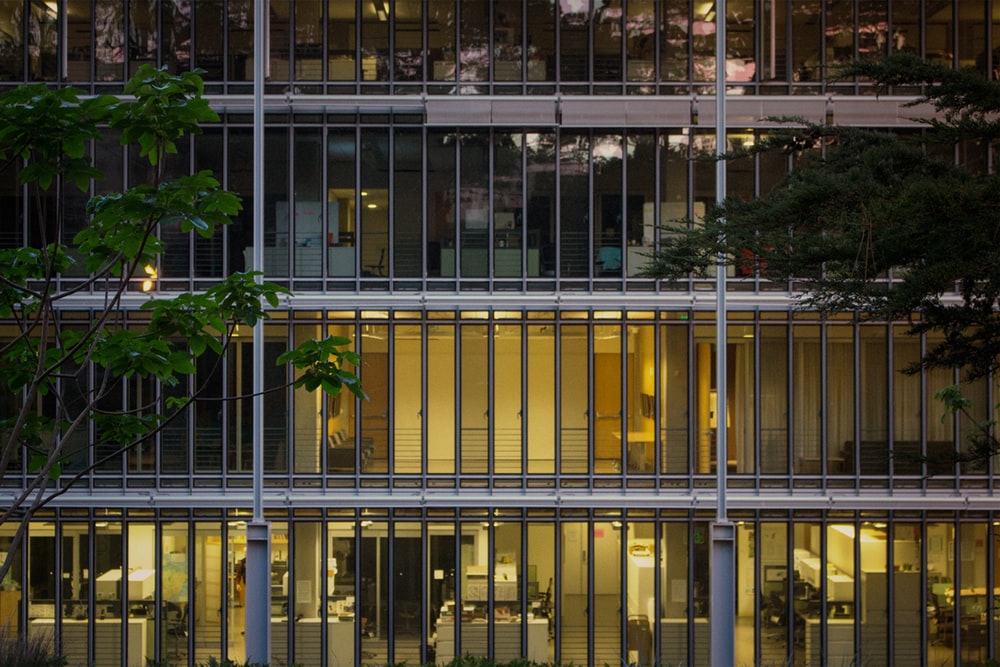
(468, 190)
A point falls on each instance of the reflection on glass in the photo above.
(441, 211)
(806, 404)
(839, 414)
(474, 38)
(408, 246)
(609, 226)
(408, 63)
(374, 223)
(307, 221)
(575, 191)
(474, 202)
(508, 208)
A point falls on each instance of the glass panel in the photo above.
(277, 240)
(940, 31)
(375, 41)
(906, 404)
(41, 591)
(341, 591)
(640, 367)
(110, 588)
(308, 222)
(640, 573)
(607, 40)
(239, 234)
(942, 620)
(208, 415)
(43, 32)
(574, 226)
(239, 22)
(573, 400)
(976, 392)
(640, 206)
(806, 41)
(840, 32)
(108, 19)
(508, 202)
(700, 595)
(640, 40)
(540, 573)
(143, 33)
(874, 594)
(140, 395)
(373, 594)
(541, 40)
(807, 586)
(508, 49)
(175, 42)
(441, 189)
(973, 26)
(474, 38)
(474, 381)
(239, 412)
(341, 207)
(441, 40)
(741, 62)
(407, 609)
(374, 375)
(674, 400)
(775, 593)
(375, 212)
(703, 42)
(540, 408)
(209, 154)
(443, 606)
(209, 598)
(774, 46)
(675, 30)
(11, 592)
(341, 41)
(874, 401)
(307, 416)
(139, 591)
(508, 579)
(840, 396)
(574, 29)
(906, 21)
(407, 205)
(807, 403)
(907, 599)
(175, 617)
(740, 401)
(540, 182)
(674, 176)
(341, 422)
(304, 581)
(408, 392)
(209, 29)
(608, 206)
(574, 593)
(474, 200)
(774, 399)
(279, 39)
(706, 397)
(873, 23)
(308, 43)
(840, 601)
(75, 593)
(441, 412)
(607, 398)
(12, 40)
(408, 42)
(606, 609)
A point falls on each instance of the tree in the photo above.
(44, 137)
(883, 224)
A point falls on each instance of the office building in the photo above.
(468, 189)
